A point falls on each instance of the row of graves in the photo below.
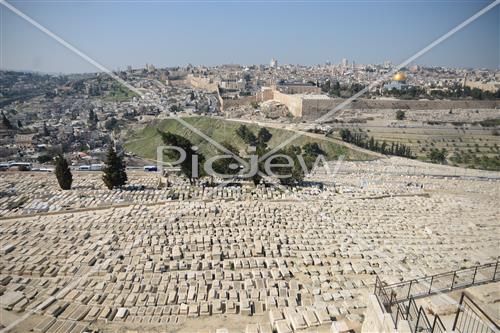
(292, 264)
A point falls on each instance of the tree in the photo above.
(187, 166)
(355, 88)
(370, 143)
(295, 171)
(92, 121)
(476, 93)
(437, 156)
(346, 135)
(44, 159)
(114, 171)
(175, 108)
(312, 149)
(259, 142)
(246, 135)
(45, 130)
(400, 115)
(255, 104)
(335, 89)
(63, 173)
(223, 165)
(309, 153)
(326, 86)
(6, 121)
(111, 123)
(263, 136)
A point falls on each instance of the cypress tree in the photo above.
(114, 171)
(63, 173)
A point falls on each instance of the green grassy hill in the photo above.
(144, 142)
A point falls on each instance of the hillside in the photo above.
(144, 142)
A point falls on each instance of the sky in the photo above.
(174, 33)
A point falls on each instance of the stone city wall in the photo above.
(315, 108)
(292, 102)
(491, 87)
(227, 103)
(202, 83)
(266, 94)
(298, 89)
(307, 106)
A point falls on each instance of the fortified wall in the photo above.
(294, 103)
(227, 103)
(202, 83)
(313, 106)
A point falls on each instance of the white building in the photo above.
(273, 63)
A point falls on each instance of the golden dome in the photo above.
(399, 76)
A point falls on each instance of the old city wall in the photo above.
(265, 94)
(314, 108)
(202, 83)
(227, 103)
(292, 102)
(423, 104)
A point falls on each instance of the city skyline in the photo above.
(169, 34)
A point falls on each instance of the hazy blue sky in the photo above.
(167, 33)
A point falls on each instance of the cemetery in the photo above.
(174, 257)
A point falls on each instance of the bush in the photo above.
(437, 156)
(400, 115)
(44, 159)
(255, 105)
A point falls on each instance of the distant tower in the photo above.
(273, 63)
(345, 63)
(150, 68)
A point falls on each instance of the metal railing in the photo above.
(462, 278)
(399, 299)
(471, 318)
(407, 310)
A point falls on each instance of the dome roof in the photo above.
(399, 76)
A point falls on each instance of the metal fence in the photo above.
(471, 318)
(443, 282)
(399, 300)
(407, 310)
